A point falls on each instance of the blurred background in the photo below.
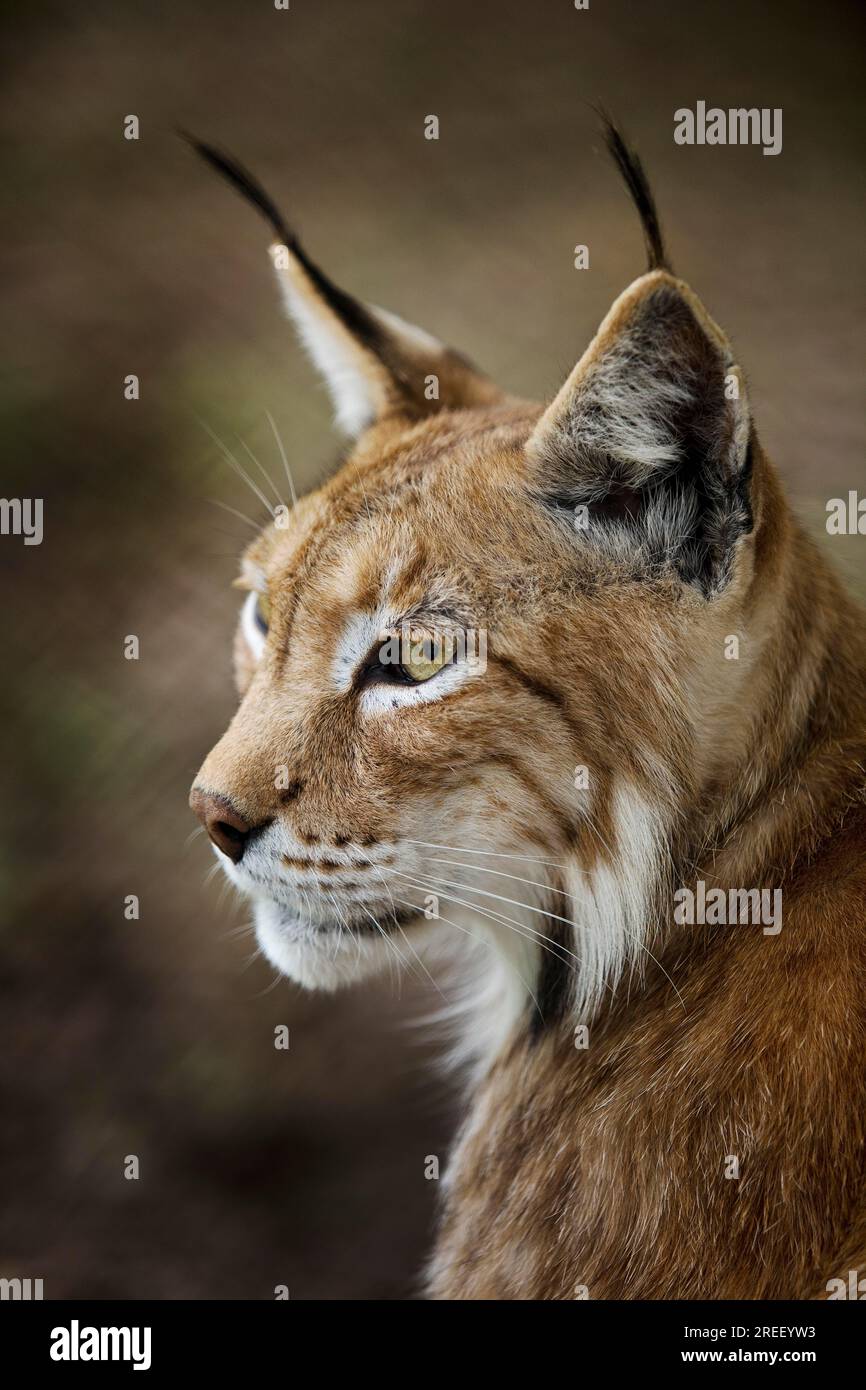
(155, 1037)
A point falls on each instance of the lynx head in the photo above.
(482, 668)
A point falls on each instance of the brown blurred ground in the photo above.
(261, 1167)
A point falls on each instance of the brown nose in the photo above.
(228, 830)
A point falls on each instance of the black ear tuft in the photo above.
(637, 183)
(246, 184)
(349, 310)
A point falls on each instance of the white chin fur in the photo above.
(324, 958)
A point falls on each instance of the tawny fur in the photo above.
(596, 1170)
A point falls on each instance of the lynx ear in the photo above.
(650, 433)
(374, 364)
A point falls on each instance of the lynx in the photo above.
(653, 1109)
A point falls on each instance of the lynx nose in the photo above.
(228, 830)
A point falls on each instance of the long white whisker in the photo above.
(485, 892)
(632, 936)
(495, 854)
(270, 420)
(260, 466)
(233, 463)
(500, 873)
(242, 516)
(250, 959)
(269, 989)
(387, 886)
(430, 977)
(341, 923)
(246, 929)
(475, 937)
(384, 935)
(522, 929)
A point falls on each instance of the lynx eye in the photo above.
(262, 612)
(424, 656)
(408, 656)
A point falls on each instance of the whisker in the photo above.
(340, 922)
(242, 516)
(270, 420)
(632, 936)
(430, 977)
(384, 935)
(269, 989)
(233, 463)
(246, 929)
(250, 960)
(405, 937)
(522, 929)
(260, 466)
(485, 892)
(500, 873)
(494, 854)
(306, 899)
(475, 937)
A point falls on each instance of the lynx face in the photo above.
(469, 663)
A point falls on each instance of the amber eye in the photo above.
(262, 612)
(408, 657)
(425, 654)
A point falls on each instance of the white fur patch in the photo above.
(353, 393)
(354, 377)
(613, 903)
